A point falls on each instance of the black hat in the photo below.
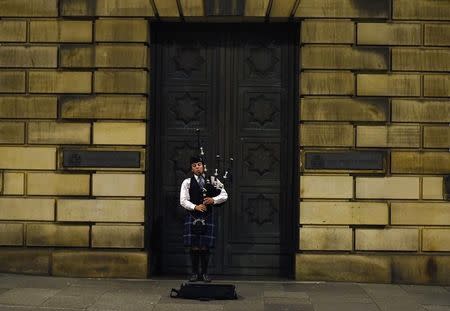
(196, 159)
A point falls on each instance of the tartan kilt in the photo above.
(201, 240)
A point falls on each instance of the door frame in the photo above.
(153, 135)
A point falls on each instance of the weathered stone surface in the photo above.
(13, 31)
(27, 107)
(327, 83)
(121, 30)
(167, 8)
(432, 188)
(390, 239)
(420, 162)
(124, 81)
(411, 110)
(419, 9)
(103, 159)
(128, 185)
(100, 264)
(337, 135)
(11, 234)
(422, 213)
(101, 210)
(119, 133)
(344, 161)
(343, 57)
(327, 31)
(256, 8)
(27, 209)
(388, 136)
(437, 34)
(58, 184)
(29, 261)
(193, 8)
(57, 235)
(389, 34)
(29, 8)
(343, 213)
(436, 136)
(344, 8)
(387, 187)
(326, 238)
(124, 236)
(350, 268)
(28, 57)
(59, 133)
(417, 269)
(105, 56)
(436, 240)
(60, 82)
(413, 59)
(106, 8)
(326, 187)
(343, 109)
(60, 31)
(12, 82)
(27, 158)
(12, 132)
(436, 85)
(14, 183)
(104, 107)
(388, 85)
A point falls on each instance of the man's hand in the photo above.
(200, 208)
(208, 201)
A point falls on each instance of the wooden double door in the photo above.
(236, 84)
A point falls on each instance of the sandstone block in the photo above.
(344, 8)
(387, 188)
(338, 135)
(436, 85)
(57, 235)
(60, 31)
(27, 107)
(123, 236)
(121, 30)
(326, 238)
(343, 213)
(11, 234)
(29, 261)
(327, 83)
(12, 82)
(13, 31)
(14, 183)
(119, 133)
(436, 240)
(388, 85)
(421, 10)
(432, 188)
(27, 209)
(413, 59)
(28, 57)
(125, 184)
(58, 184)
(327, 31)
(388, 136)
(279, 8)
(12, 132)
(437, 34)
(410, 110)
(420, 162)
(60, 82)
(104, 107)
(27, 158)
(390, 239)
(193, 8)
(59, 133)
(436, 137)
(326, 187)
(29, 8)
(169, 8)
(389, 34)
(124, 81)
(420, 213)
(100, 210)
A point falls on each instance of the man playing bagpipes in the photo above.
(198, 194)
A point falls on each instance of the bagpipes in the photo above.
(212, 184)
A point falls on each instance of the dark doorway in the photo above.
(236, 83)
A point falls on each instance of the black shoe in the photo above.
(205, 278)
(194, 277)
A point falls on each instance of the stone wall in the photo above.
(374, 92)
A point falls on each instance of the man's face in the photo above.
(197, 168)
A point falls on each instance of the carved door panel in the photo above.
(235, 83)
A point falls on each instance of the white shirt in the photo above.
(185, 197)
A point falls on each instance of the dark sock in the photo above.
(204, 260)
(195, 256)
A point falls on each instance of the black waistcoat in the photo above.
(195, 193)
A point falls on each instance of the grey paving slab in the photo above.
(34, 281)
(384, 290)
(398, 304)
(20, 308)
(125, 301)
(187, 307)
(83, 291)
(342, 306)
(289, 301)
(247, 305)
(437, 308)
(284, 294)
(26, 296)
(73, 302)
(301, 287)
(428, 295)
(287, 307)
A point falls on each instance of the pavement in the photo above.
(26, 293)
